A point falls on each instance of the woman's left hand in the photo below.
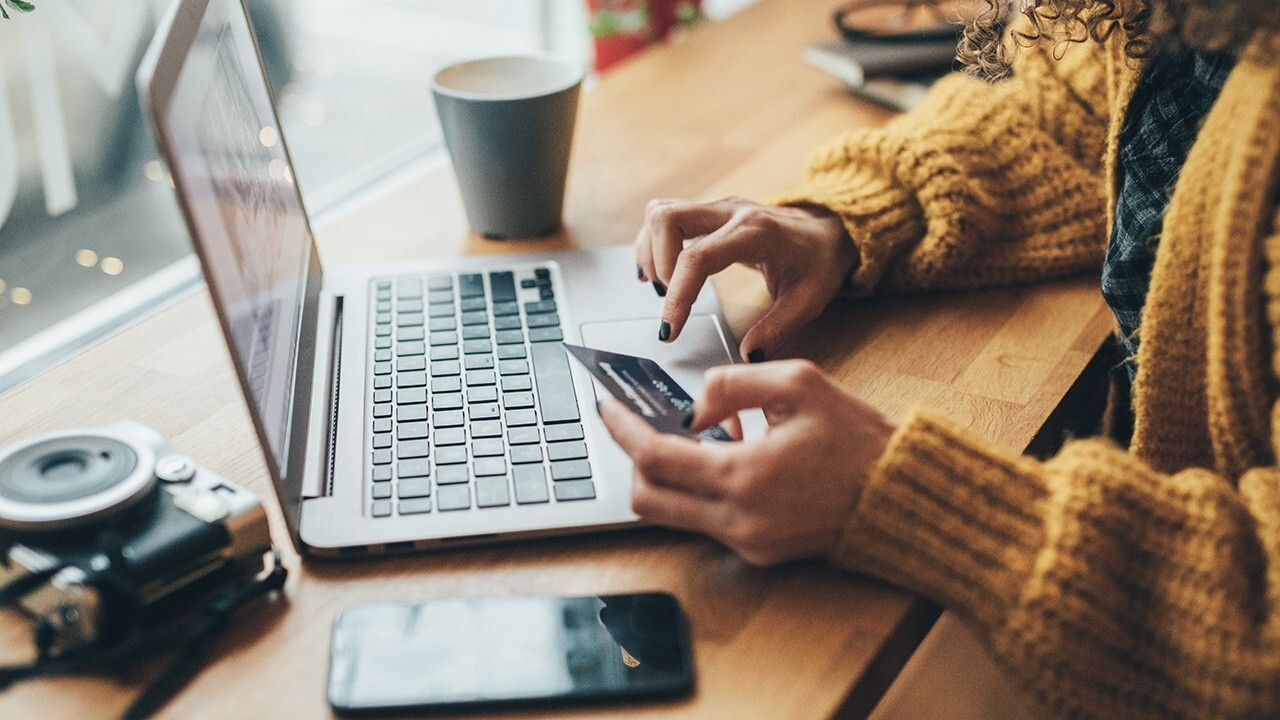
(785, 496)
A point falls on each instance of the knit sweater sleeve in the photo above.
(1106, 588)
(983, 184)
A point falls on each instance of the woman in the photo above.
(1140, 140)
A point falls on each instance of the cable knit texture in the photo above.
(1110, 583)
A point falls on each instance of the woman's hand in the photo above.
(787, 495)
(804, 253)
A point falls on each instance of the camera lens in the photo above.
(68, 479)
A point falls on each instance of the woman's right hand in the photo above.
(804, 253)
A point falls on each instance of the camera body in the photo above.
(121, 504)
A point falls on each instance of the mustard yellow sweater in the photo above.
(1138, 583)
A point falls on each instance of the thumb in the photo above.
(730, 388)
(792, 310)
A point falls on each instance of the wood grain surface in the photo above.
(729, 109)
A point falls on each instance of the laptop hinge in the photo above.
(322, 440)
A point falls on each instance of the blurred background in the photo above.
(90, 234)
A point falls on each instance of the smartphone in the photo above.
(521, 651)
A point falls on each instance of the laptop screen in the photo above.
(248, 222)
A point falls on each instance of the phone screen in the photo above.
(508, 650)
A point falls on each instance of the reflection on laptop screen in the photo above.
(249, 221)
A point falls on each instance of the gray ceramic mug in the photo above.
(508, 124)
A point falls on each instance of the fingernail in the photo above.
(664, 331)
(639, 273)
(755, 356)
(659, 288)
(600, 407)
(687, 421)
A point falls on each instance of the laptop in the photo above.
(404, 406)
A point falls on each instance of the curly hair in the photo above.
(1149, 26)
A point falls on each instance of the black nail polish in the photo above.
(639, 273)
(755, 356)
(664, 331)
(687, 421)
(659, 288)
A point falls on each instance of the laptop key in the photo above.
(451, 455)
(542, 273)
(524, 454)
(511, 352)
(382, 382)
(570, 470)
(409, 319)
(382, 491)
(487, 447)
(452, 475)
(530, 483)
(446, 401)
(522, 435)
(482, 394)
(453, 497)
(381, 508)
(484, 411)
(441, 324)
(489, 466)
(486, 428)
(566, 451)
(502, 286)
(540, 306)
(527, 283)
(575, 490)
(546, 293)
(560, 433)
(416, 506)
(516, 382)
(383, 284)
(382, 330)
(516, 418)
(416, 347)
(446, 384)
(414, 489)
(480, 377)
(411, 396)
(411, 379)
(509, 337)
(439, 297)
(475, 318)
(411, 413)
(381, 457)
(440, 282)
(513, 367)
(448, 337)
(382, 440)
(451, 436)
(381, 355)
(470, 285)
(408, 306)
(437, 311)
(475, 332)
(505, 309)
(410, 363)
(409, 287)
(444, 352)
(510, 322)
(473, 304)
(547, 334)
(448, 418)
(412, 449)
(382, 343)
(556, 397)
(542, 321)
(382, 473)
(409, 333)
(446, 367)
(472, 347)
(418, 467)
(411, 431)
(517, 400)
(478, 362)
(492, 492)
(382, 396)
(382, 410)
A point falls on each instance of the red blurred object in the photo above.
(621, 28)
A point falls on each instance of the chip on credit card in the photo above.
(646, 389)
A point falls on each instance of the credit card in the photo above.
(644, 387)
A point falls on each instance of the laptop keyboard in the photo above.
(473, 403)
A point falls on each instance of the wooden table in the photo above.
(730, 109)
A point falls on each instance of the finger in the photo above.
(672, 223)
(644, 244)
(772, 387)
(669, 460)
(730, 243)
(663, 505)
(733, 426)
(795, 307)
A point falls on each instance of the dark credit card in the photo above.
(644, 387)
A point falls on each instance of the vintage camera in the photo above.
(106, 529)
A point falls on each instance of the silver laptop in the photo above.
(406, 406)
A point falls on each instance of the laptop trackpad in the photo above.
(701, 345)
